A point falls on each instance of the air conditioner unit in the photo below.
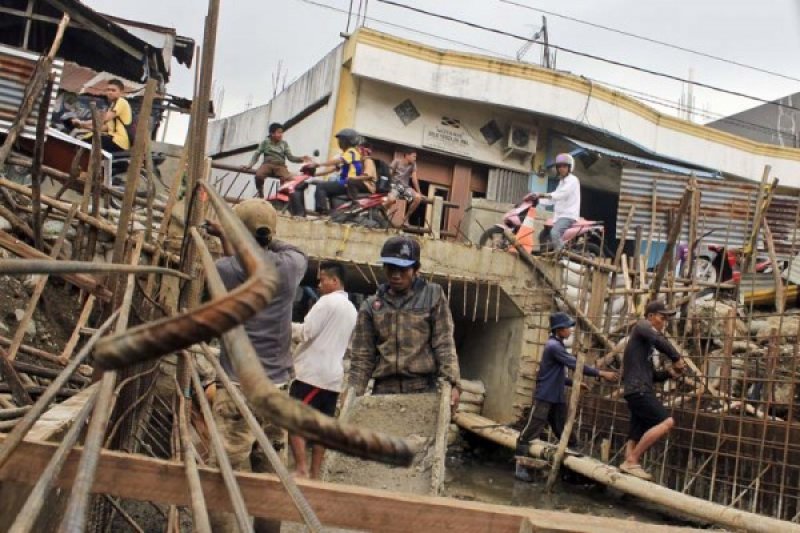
(521, 141)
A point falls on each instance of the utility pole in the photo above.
(548, 59)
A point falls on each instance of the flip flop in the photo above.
(636, 471)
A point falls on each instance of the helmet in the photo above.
(400, 251)
(565, 159)
(257, 214)
(350, 135)
(560, 320)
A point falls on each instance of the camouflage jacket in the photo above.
(408, 337)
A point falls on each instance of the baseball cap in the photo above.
(257, 214)
(658, 306)
(400, 251)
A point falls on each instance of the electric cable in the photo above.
(651, 40)
(587, 55)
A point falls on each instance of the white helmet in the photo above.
(565, 159)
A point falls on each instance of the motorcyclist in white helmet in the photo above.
(566, 200)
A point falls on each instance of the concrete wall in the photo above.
(311, 89)
(492, 352)
(767, 123)
(504, 353)
(513, 85)
(375, 117)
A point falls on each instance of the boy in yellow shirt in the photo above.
(119, 115)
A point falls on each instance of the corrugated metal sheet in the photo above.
(652, 163)
(506, 185)
(727, 207)
(16, 68)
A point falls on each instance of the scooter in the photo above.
(584, 237)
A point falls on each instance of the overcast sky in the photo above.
(255, 36)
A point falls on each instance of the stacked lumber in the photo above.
(472, 395)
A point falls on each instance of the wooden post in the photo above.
(38, 157)
(727, 352)
(674, 233)
(750, 244)
(780, 300)
(621, 244)
(32, 90)
(140, 145)
(95, 179)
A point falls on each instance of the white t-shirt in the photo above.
(566, 198)
(323, 341)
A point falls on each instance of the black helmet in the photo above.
(350, 135)
(560, 320)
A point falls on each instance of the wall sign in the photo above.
(447, 139)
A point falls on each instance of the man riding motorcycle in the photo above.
(566, 199)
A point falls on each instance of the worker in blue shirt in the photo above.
(549, 403)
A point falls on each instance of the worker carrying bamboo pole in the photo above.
(549, 404)
(649, 420)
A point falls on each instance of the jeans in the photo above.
(557, 232)
(324, 191)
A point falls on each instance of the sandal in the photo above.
(635, 471)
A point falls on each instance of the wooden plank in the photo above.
(58, 418)
(82, 281)
(142, 478)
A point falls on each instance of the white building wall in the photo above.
(309, 90)
(490, 86)
(376, 118)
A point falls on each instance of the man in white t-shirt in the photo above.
(566, 199)
(318, 366)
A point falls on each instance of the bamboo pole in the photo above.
(645, 490)
(674, 233)
(38, 290)
(38, 157)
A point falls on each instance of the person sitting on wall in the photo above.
(405, 184)
(117, 118)
(365, 182)
(276, 152)
(549, 404)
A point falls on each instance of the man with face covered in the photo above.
(404, 333)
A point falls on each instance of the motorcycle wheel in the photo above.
(494, 238)
(705, 270)
(280, 206)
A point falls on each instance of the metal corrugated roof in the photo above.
(16, 69)
(726, 206)
(652, 163)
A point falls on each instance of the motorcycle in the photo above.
(281, 199)
(366, 210)
(584, 237)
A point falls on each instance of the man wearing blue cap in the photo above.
(404, 334)
(549, 403)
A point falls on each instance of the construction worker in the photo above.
(324, 335)
(566, 200)
(276, 152)
(650, 421)
(549, 403)
(269, 331)
(404, 333)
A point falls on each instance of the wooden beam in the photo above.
(142, 478)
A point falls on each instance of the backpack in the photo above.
(383, 183)
(130, 129)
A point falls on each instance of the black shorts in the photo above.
(323, 400)
(646, 412)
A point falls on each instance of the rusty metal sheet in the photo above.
(726, 206)
(16, 69)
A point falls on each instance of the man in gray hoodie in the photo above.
(270, 332)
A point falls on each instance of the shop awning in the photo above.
(584, 147)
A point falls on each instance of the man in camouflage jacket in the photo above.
(404, 334)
